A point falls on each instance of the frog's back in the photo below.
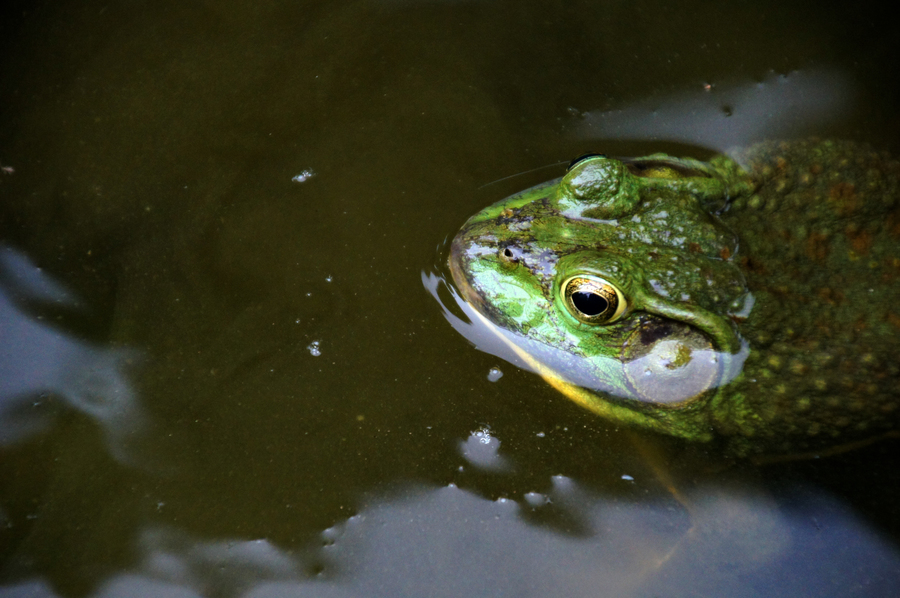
(820, 248)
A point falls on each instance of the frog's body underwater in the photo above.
(753, 300)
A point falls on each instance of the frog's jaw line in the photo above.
(577, 394)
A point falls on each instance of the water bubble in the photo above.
(481, 450)
(304, 175)
(494, 374)
(483, 435)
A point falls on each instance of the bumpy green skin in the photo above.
(784, 259)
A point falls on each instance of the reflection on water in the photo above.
(45, 371)
(474, 329)
(174, 563)
(725, 541)
(626, 548)
(727, 115)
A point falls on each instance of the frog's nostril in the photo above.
(507, 255)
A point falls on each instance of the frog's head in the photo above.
(618, 279)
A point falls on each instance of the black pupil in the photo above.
(590, 304)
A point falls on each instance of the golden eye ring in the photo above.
(593, 300)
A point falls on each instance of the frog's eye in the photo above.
(593, 300)
(582, 158)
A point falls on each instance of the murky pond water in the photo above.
(221, 374)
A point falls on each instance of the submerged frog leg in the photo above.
(651, 455)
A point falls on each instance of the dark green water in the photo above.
(165, 429)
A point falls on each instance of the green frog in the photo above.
(752, 300)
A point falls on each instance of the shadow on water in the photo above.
(219, 375)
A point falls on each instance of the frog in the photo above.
(748, 302)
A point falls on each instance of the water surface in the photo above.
(222, 375)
